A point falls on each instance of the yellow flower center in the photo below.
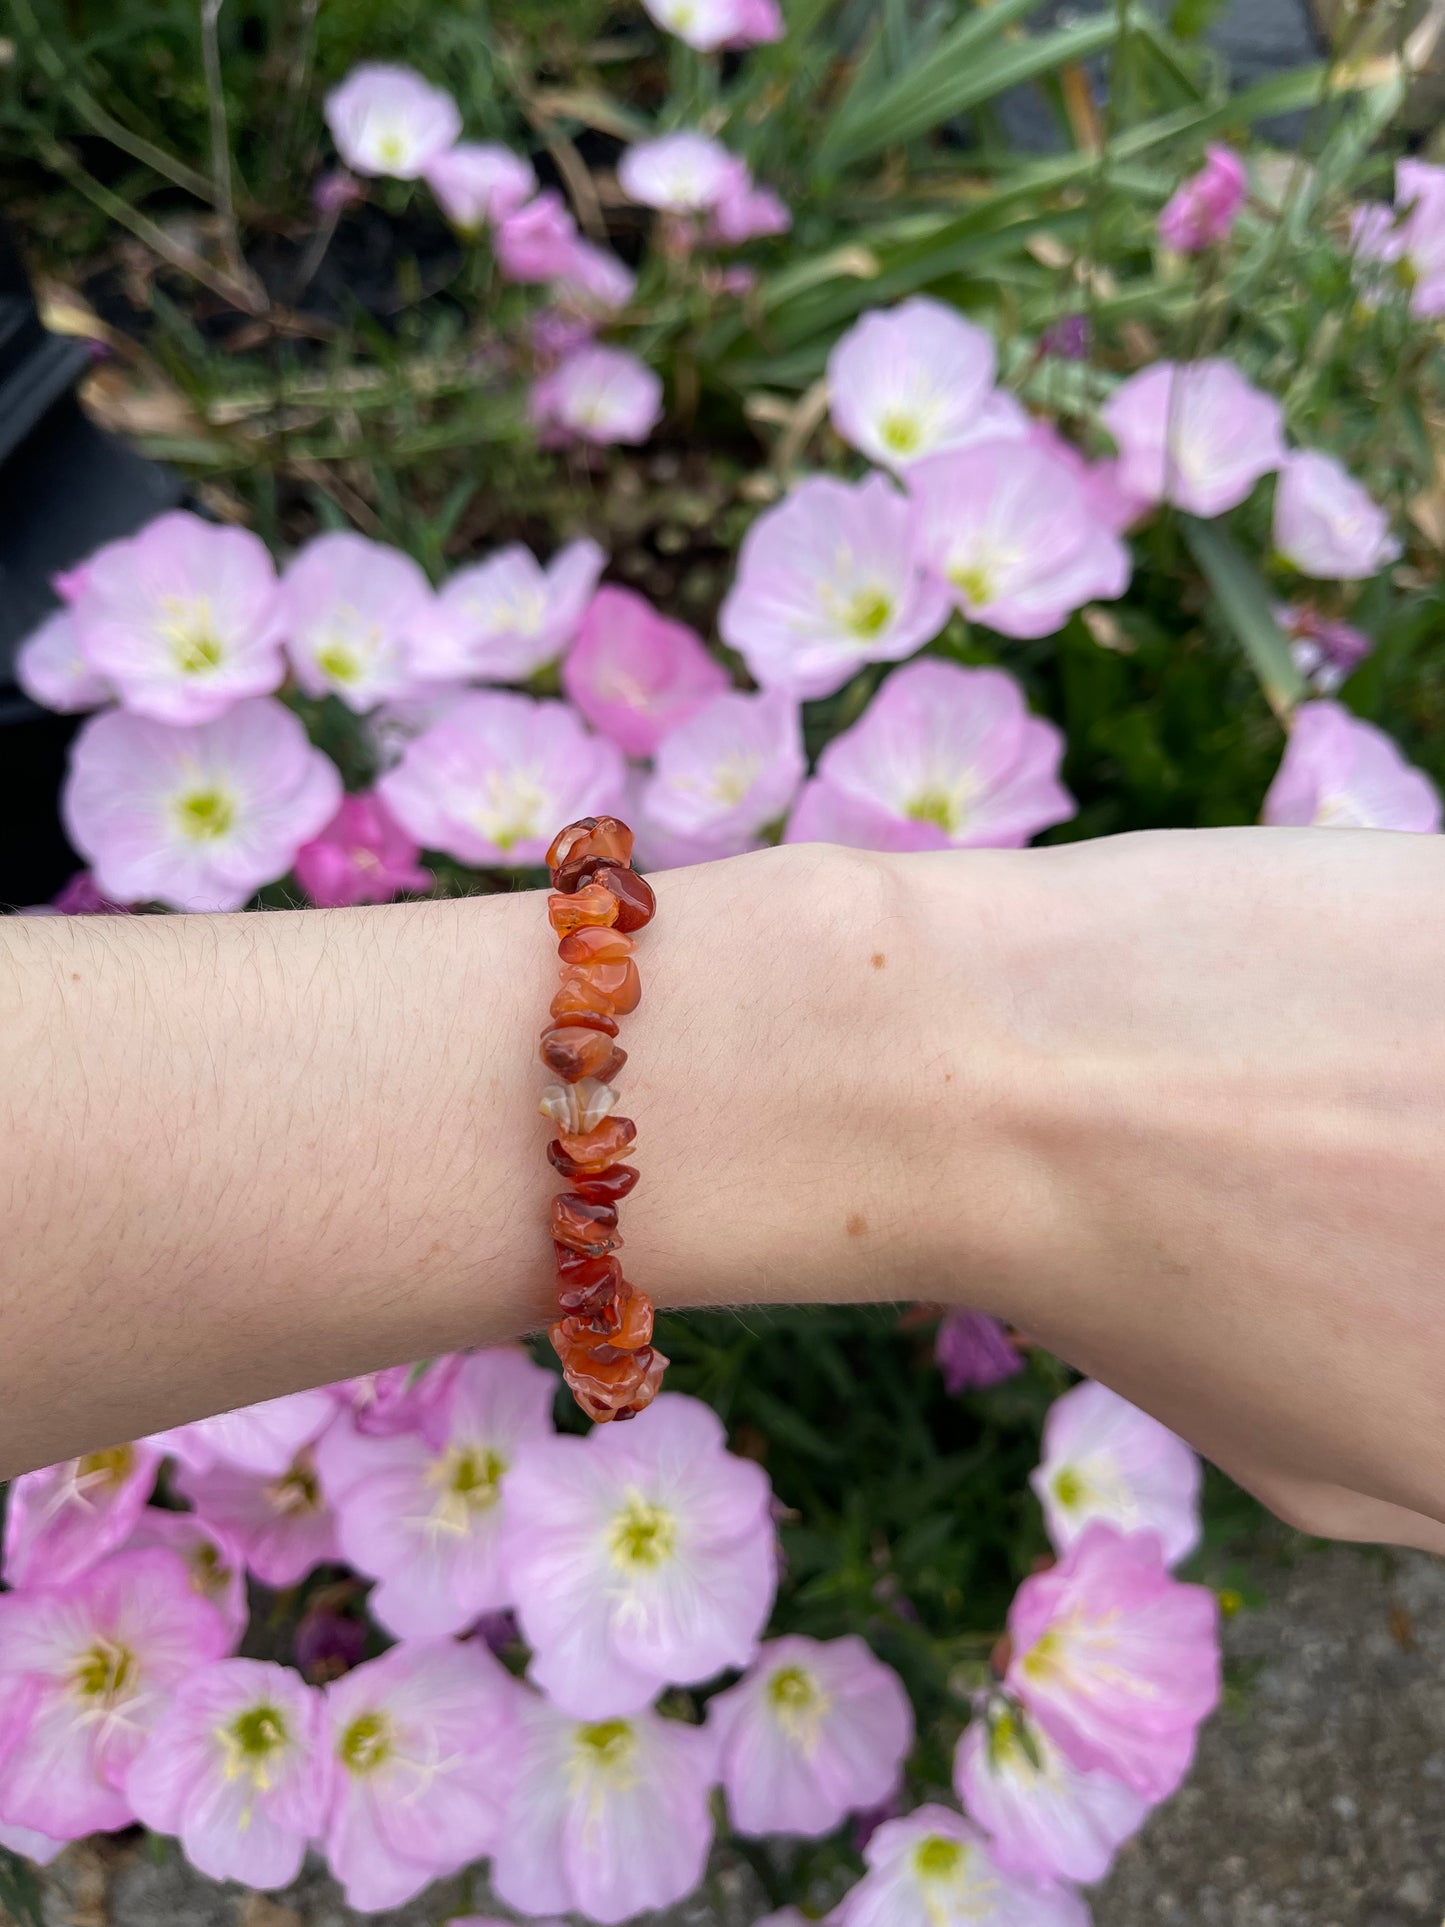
(475, 1477)
(296, 1491)
(937, 806)
(105, 1671)
(974, 584)
(338, 661)
(391, 148)
(938, 1858)
(869, 614)
(1069, 1488)
(206, 815)
(902, 433)
(366, 1743)
(251, 1743)
(643, 1534)
(110, 1468)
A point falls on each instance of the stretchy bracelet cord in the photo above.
(604, 1331)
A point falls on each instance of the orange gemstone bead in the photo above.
(579, 998)
(636, 904)
(594, 836)
(591, 1228)
(617, 984)
(593, 906)
(595, 946)
(608, 1186)
(584, 1020)
(594, 1150)
(572, 1052)
(612, 1391)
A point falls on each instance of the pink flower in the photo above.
(943, 757)
(604, 1819)
(747, 212)
(1326, 524)
(80, 898)
(813, 1731)
(388, 120)
(595, 280)
(211, 1558)
(479, 183)
(634, 674)
(1105, 1459)
(183, 619)
(51, 668)
(639, 1556)
(505, 617)
(347, 605)
(279, 1521)
(335, 191)
(1413, 243)
(912, 381)
(1204, 208)
(1108, 500)
(61, 1520)
(1326, 651)
(827, 581)
(708, 24)
(362, 856)
(491, 781)
(85, 1669)
(537, 242)
(255, 1438)
(599, 395)
(1010, 532)
(237, 1768)
(1116, 1661)
(722, 776)
(974, 1351)
(933, 1869)
(1196, 434)
(681, 173)
(423, 1744)
(38, 1848)
(1341, 774)
(402, 1398)
(1045, 1818)
(423, 1514)
(196, 818)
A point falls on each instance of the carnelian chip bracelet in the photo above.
(603, 1335)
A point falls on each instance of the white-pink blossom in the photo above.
(935, 1869)
(61, 1520)
(1195, 433)
(917, 380)
(828, 580)
(721, 777)
(709, 24)
(1105, 1459)
(51, 668)
(598, 394)
(680, 173)
(1326, 524)
(478, 183)
(1340, 773)
(197, 818)
(253, 1438)
(211, 1557)
(279, 1521)
(182, 620)
(635, 674)
(502, 618)
(815, 1730)
(388, 120)
(347, 606)
(639, 1556)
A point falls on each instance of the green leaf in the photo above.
(1244, 602)
(19, 1890)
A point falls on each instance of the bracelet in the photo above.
(603, 1336)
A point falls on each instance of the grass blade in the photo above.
(1244, 602)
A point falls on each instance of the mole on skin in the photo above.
(857, 1225)
(878, 960)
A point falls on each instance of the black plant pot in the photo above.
(65, 487)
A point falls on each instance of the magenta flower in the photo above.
(1011, 533)
(708, 24)
(362, 856)
(538, 241)
(912, 381)
(599, 395)
(1204, 208)
(254, 1438)
(402, 1398)
(605, 1818)
(594, 280)
(1326, 651)
(723, 775)
(279, 1521)
(479, 183)
(637, 1557)
(1105, 1459)
(1341, 774)
(388, 120)
(813, 1731)
(423, 1744)
(490, 782)
(943, 757)
(347, 605)
(1045, 1818)
(634, 674)
(681, 173)
(1116, 1661)
(1195, 433)
(183, 619)
(51, 668)
(196, 818)
(974, 1351)
(335, 191)
(422, 1514)
(827, 581)
(503, 618)
(1326, 524)
(212, 1560)
(746, 212)
(60, 1521)
(934, 1869)
(1412, 243)
(237, 1769)
(77, 898)
(85, 1670)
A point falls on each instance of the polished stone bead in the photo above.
(617, 985)
(594, 905)
(572, 1053)
(607, 1186)
(579, 998)
(606, 1392)
(577, 1109)
(594, 1150)
(595, 946)
(636, 904)
(591, 836)
(590, 1228)
(584, 1020)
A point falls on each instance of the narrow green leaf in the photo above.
(1244, 602)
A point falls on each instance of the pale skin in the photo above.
(1173, 1104)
